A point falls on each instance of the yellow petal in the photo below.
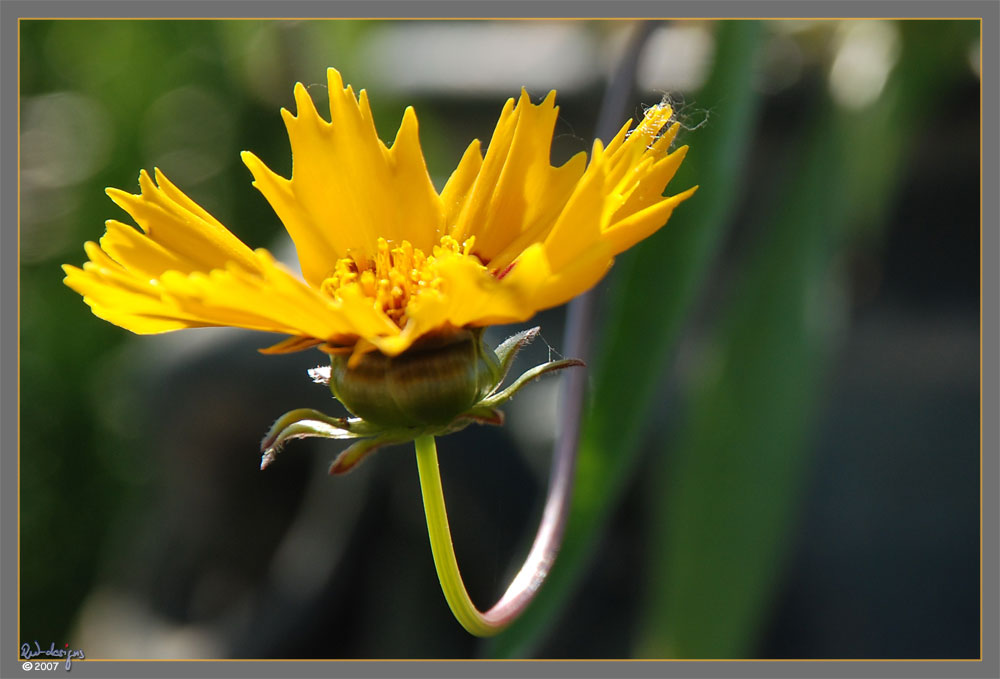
(475, 209)
(347, 188)
(619, 138)
(579, 225)
(291, 344)
(557, 286)
(547, 199)
(141, 253)
(518, 192)
(195, 239)
(626, 232)
(649, 189)
(272, 300)
(456, 189)
(187, 270)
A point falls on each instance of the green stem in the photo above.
(529, 579)
(441, 546)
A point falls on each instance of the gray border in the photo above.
(11, 10)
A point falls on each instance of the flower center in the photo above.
(397, 273)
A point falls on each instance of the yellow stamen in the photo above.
(396, 274)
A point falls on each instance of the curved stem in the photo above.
(526, 583)
(441, 546)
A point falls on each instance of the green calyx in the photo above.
(441, 385)
(430, 384)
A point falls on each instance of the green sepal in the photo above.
(529, 375)
(306, 423)
(484, 415)
(355, 453)
(508, 350)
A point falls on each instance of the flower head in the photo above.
(400, 279)
(388, 260)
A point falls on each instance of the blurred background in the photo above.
(781, 452)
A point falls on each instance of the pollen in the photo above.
(397, 273)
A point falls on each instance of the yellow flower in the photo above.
(387, 259)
